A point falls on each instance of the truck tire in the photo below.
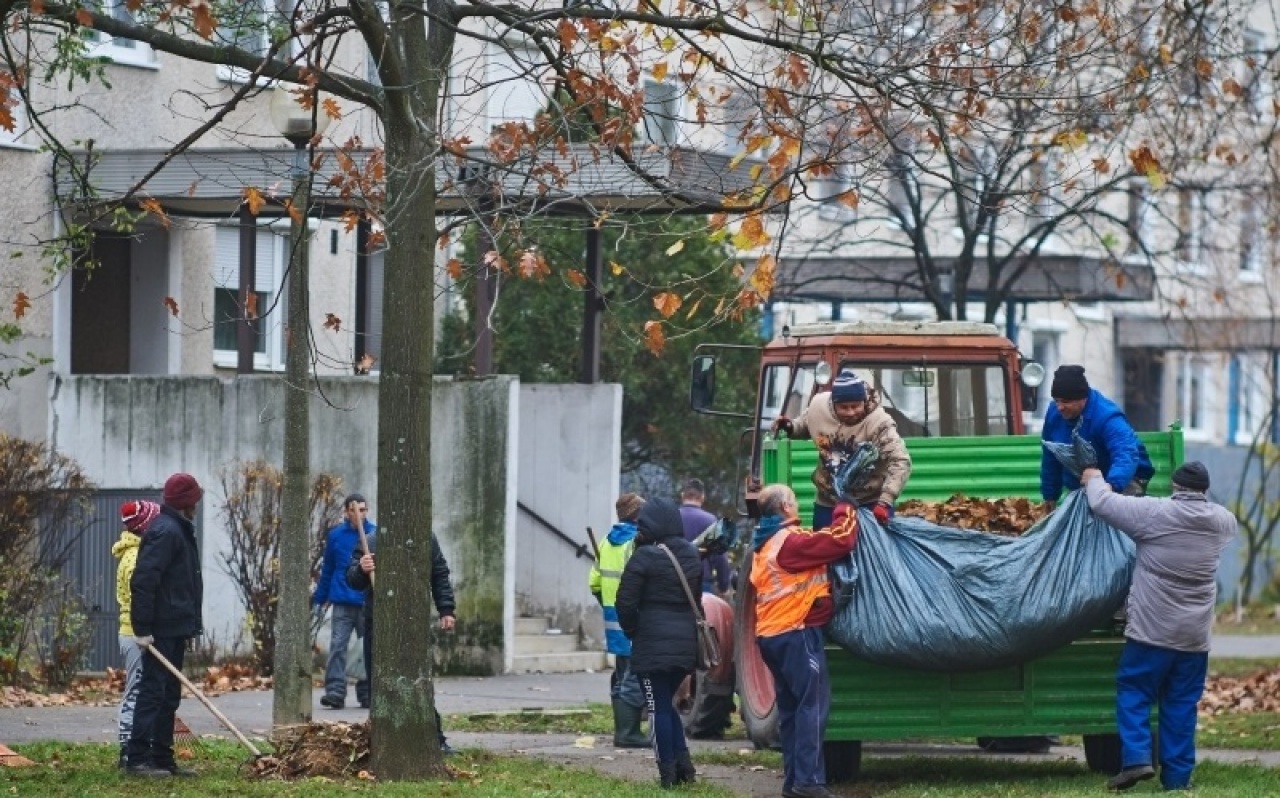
(843, 759)
(710, 709)
(1102, 753)
(757, 701)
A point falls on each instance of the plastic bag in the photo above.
(918, 595)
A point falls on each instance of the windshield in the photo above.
(775, 400)
(944, 400)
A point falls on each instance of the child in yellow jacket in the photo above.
(135, 516)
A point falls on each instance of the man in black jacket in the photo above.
(166, 592)
(360, 575)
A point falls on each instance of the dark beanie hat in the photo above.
(182, 492)
(1069, 383)
(848, 387)
(1192, 476)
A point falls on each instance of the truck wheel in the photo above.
(710, 709)
(1102, 753)
(756, 697)
(843, 759)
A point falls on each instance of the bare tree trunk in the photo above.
(292, 694)
(403, 716)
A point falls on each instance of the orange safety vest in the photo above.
(783, 598)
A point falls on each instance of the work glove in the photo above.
(144, 641)
(883, 511)
(782, 424)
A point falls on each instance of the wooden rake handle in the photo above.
(208, 704)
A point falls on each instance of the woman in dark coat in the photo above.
(654, 612)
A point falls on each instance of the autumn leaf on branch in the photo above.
(494, 260)
(762, 277)
(667, 304)
(331, 108)
(751, 233)
(1145, 163)
(454, 268)
(153, 207)
(533, 265)
(332, 322)
(655, 340)
(295, 213)
(250, 306)
(617, 269)
(21, 302)
(254, 199)
(577, 278)
(172, 305)
(203, 20)
(675, 248)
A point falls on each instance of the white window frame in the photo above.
(1191, 395)
(1251, 240)
(125, 52)
(272, 10)
(660, 124)
(1252, 78)
(272, 249)
(1251, 398)
(1189, 241)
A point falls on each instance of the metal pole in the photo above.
(592, 308)
(246, 335)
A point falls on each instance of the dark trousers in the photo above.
(368, 676)
(799, 667)
(664, 722)
(159, 694)
(1173, 680)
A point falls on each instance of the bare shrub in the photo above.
(251, 512)
(44, 508)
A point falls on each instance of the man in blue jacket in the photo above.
(1076, 407)
(347, 602)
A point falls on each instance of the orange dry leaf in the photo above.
(332, 322)
(253, 197)
(203, 20)
(751, 233)
(172, 305)
(331, 108)
(295, 213)
(151, 206)
(576, 277)
(84, 17)
(654, 339)
(454, 268)
(667, 304)
(762, 277)
(250, 305)
(21, 302)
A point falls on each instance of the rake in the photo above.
(181, 677)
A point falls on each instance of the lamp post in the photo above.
(292, 665)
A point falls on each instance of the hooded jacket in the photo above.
(604, 579)
(877, 427)
(332, 587)
(126, 551)
(653, 608)
(1121, 456)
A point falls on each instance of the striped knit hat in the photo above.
(136, 516)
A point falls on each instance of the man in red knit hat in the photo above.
(166, 593)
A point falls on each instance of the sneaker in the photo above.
(332, 703)
(147, 771)
(1130, 776)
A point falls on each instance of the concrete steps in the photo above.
(541, 649)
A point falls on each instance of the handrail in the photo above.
(580, 549)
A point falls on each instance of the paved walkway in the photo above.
(251, 712)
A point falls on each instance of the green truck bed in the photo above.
(1067, 691)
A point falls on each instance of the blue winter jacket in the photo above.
(332, 587)
(1121, 456)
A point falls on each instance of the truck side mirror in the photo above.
(702, 383)
(1033, 375)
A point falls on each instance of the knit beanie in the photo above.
(137, 515)
(628, 506)
(1069, 384)
(182, 492)
(848, 387)
(1193, 476)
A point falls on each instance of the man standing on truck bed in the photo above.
(793, 603)
(1076, 407)
(839, 420)
(1170, 614)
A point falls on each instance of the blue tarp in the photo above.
(918, 595)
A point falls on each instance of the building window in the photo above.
(661, 113)
(248, 26)
(1192, 390)
(1190, 250)
(1250, 238)
(1252, 76)
(1046, 346)
(118, 49)
(515, 95)
(1247, 410)
(1139, 218)
(268, 294)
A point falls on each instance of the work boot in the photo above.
(667, 775)
(810, 791)
(626, 726)
(685, 771)
(1130, 776)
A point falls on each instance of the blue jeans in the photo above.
(624, 685)
(664, 722)
(799, 667)
(344, 619)
(1174, 680)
